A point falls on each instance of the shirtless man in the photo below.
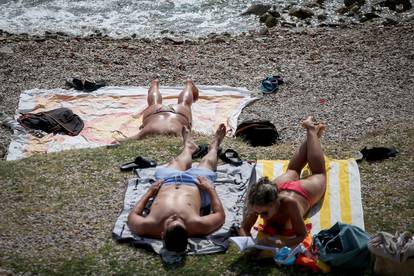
(180, 193)
(167, 119)
(283, 202)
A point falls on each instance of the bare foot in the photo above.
(155, 83)
(194, 89)
(188, 140)
(219, 136)
(320, 128)
(309, 123)
(154, 87)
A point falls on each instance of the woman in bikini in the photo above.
(166, 119)
(283, 202)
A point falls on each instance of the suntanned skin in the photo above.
(180, 204)
(167, 123)
(289, 209)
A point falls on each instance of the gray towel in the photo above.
(231, 187)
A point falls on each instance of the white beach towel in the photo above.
(109, 111)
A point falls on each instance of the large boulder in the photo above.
(269, 20)
(257, 9)
(300, 12)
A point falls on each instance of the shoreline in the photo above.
(356, 79)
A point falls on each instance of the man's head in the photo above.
(175, 235)
(263, 198)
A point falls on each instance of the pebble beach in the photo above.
(358, 79)
(355, 79)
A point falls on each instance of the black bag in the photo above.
(257, 133)
(56, 120)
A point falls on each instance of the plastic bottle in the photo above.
(287, 256)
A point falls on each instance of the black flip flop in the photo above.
(201, 151)
(378, 153)
(231, 157)
(85, 85)
(89, 86)
(138, 163)
(75, 83)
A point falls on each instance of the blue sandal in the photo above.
(270, 84)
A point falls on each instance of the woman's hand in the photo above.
(270, 242)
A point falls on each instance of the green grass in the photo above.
(58, 210)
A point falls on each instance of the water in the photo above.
(120, 18)
(123, 18)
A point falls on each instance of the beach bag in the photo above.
(343, 246)
(257, 133)
(60, 120)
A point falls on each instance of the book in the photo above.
(245, 243)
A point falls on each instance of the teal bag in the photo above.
(343, 246)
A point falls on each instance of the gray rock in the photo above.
(320, 2)
(368, 16)
(342, 10)
(389, 21)
(301, 12)
(263, 31)
(321, 16)
(269, 20)
(350, 3)
(6, 50)
(257, 9)
(274, 13)
(396, 5)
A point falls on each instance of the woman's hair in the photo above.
(262, 193)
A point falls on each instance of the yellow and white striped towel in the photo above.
(342, 200)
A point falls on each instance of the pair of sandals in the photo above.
(85, 85)
(376, 154)
(271, 84)
(229, 156)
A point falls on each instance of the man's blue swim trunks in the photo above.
(173, 176)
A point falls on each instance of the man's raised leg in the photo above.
(210, 160)
(184, 160)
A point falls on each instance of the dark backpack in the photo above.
(257, 133)
(56, 120)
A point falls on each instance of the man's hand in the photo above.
(203, 183)
(155, 187)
